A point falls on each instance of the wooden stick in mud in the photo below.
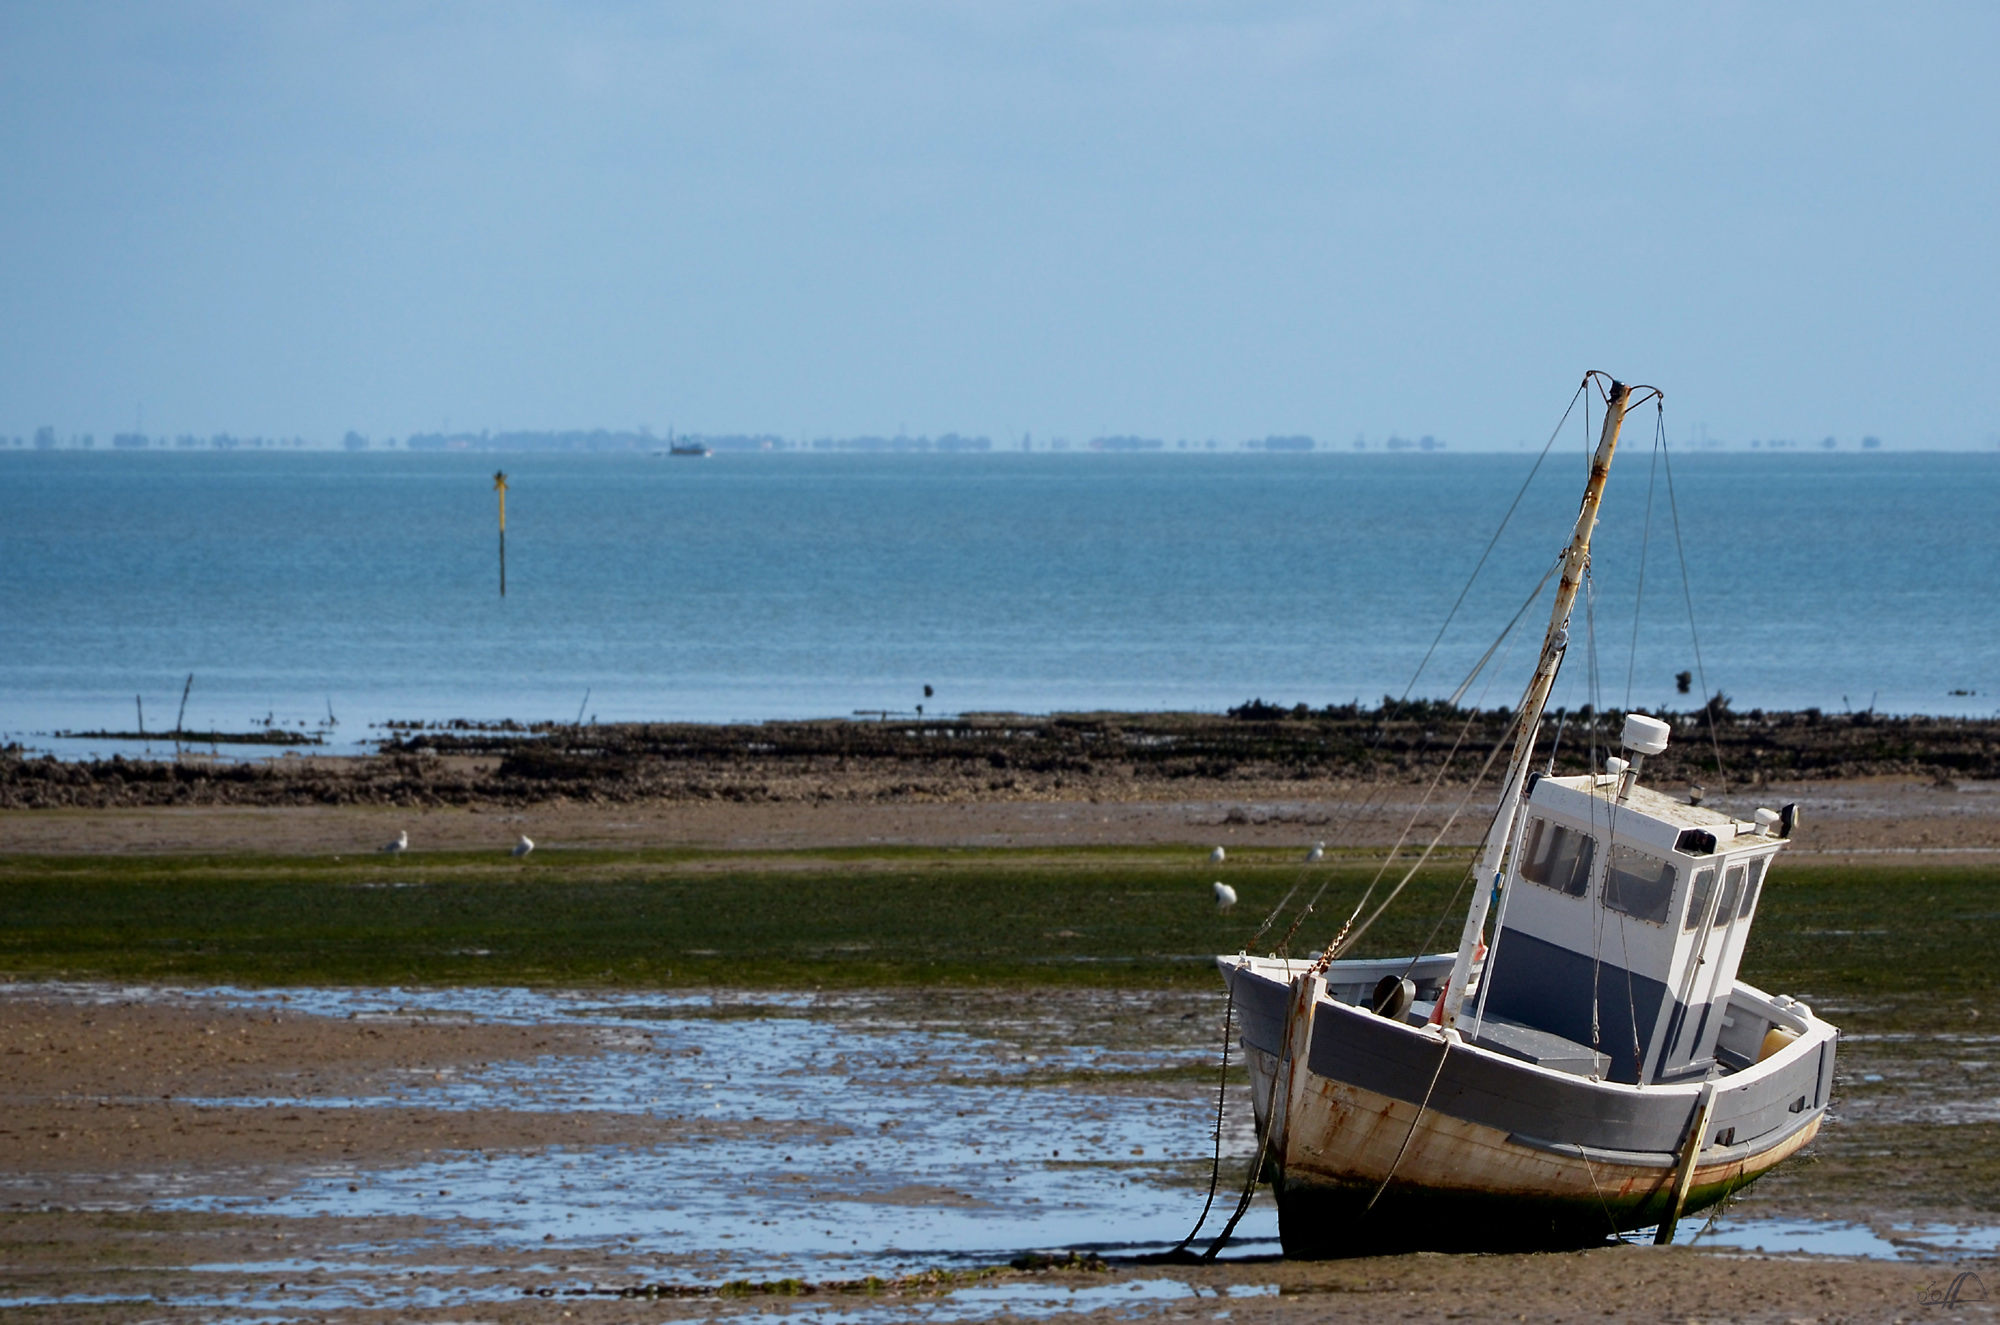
(180, 718)
(1697, 1137)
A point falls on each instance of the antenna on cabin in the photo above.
(1642, 736)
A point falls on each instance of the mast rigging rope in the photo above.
(1452, 754)
(1375, 794)
(1492, 542)
(1645, 543)
(1687, 593)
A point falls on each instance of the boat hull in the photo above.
(1463, 1186)
(1392, 1136)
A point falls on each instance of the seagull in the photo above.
(1318, 853)
(1225, 896)
(524, 846)
(1217, 856)
(402, 842)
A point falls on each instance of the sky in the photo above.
(998, 217)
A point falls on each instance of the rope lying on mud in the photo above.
(1221, 1097)
(1256, 1165)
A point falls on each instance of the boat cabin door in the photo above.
(1718, 919)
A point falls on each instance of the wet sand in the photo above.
(67, 1253)
(94, 1091)
(154, 1144)
(1862, 818)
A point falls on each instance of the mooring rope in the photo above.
(1221, 1096)
(1608, 1218)
(1264, 1146)
(1721, 1206)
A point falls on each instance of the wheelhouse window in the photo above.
(1640, 885)
(1558, 857)
(1732, 893)
(1750, 890)
(1704, 884)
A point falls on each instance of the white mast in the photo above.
(1575, 559)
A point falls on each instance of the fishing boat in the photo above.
(1586, 1064)
(683, 446)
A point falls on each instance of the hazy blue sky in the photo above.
(1177, 220)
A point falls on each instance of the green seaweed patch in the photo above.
(1087, 1263)
(919, 1283)
(665, 920)
(909, 916)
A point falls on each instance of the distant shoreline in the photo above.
(632, 444)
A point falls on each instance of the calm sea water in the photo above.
(748, 587)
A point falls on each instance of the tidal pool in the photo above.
(839, 1137)
(1832, 1237)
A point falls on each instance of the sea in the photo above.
(334, 593)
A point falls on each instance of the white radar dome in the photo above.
(1644, 735)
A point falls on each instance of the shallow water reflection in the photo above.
(1824, 1237)
(829, 1138)
(1026, 1300)
(816, 1137)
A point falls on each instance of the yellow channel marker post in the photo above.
(500, 486)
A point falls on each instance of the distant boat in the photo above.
(1597, 1069)
(685, 447)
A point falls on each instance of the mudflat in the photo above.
(57, 1268)
(175, 1155)
(969, 1011)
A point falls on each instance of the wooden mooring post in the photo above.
(500, 486)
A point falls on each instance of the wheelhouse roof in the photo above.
(1646, 816)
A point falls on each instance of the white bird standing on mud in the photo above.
(1217, 856)
(402, 842)
(1225, 896)
(1317, 854)
(524, 846)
